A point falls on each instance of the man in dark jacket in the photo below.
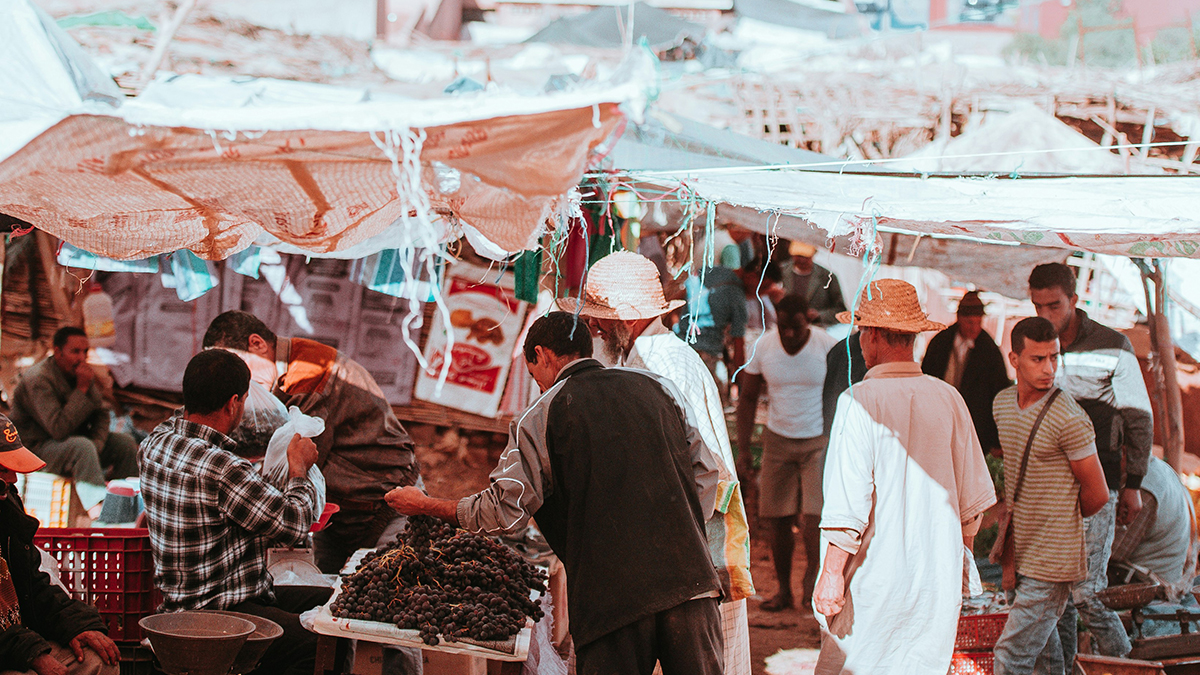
(965, 356)
(37, 617)
(610, 462)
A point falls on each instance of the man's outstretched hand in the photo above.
(411, 501)
(407, 501)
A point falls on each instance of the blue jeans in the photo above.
(1030, 640)
(1104, 624)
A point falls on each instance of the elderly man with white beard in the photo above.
(623, 304)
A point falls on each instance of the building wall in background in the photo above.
(1046, 17)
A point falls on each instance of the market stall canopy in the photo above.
(1026, 140)
(670, 142)
(667, 142)
(45, 73)
(833, 23)
(1139, 216)
(215, 164)
(609, 26)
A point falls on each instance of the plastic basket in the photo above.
(972, 663)
(110, 568)
(979, 631)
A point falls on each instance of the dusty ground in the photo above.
(773, 631)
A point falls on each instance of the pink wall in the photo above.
(1047, 17)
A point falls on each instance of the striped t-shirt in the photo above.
(1047, 526)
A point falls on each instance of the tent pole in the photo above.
(1159, 391)
(1173, 452)
(68, 313)
(164, 40)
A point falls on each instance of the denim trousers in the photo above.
(1102, 622)
(1030, 642)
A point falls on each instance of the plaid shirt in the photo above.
(212, 517)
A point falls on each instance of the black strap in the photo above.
(1029, 443)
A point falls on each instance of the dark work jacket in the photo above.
(623, 516)
(983, 377)
(1102, 372)
(841, 372)
(47, 613)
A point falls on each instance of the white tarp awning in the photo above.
(215, 164)
(1139, 216)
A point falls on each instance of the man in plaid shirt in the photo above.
(212, 516)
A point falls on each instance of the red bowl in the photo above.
(330, 509)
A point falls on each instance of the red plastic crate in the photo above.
(110, 568)
(979, 631)
(971, 663)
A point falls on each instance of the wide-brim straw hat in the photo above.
(890, 304)
(624, 286)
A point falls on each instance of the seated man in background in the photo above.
(60, 414)
(37, 618)
(212, 516)
(1162, 538)
(364, 450)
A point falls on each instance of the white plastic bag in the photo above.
(264, 415)
(275, 464)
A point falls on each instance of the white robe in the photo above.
(659, 351)
(903, 470)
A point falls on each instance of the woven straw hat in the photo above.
(892, 305)
(624, 286)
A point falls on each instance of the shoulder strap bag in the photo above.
(1002, 551)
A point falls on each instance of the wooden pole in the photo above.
(1159, 392)
(164, 40)
(1173, 451)
(68, 313)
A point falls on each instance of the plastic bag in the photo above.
(275, 464)
(264, 415)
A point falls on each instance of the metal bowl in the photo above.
(196, 643)
(265, 633)
(1129, 596)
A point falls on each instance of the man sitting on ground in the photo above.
(58, 409)
(36, 616)
(1162, 538)
(212, 516)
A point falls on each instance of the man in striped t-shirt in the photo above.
(1063, 482)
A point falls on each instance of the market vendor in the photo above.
(610, 463)
(364, 451)
(623, 302)
(1162, 538)
(60, 413)
(212, 516)
(42, 629)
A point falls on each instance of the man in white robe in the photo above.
(623, 302)
(905, 484)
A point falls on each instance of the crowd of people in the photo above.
(625, 463)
